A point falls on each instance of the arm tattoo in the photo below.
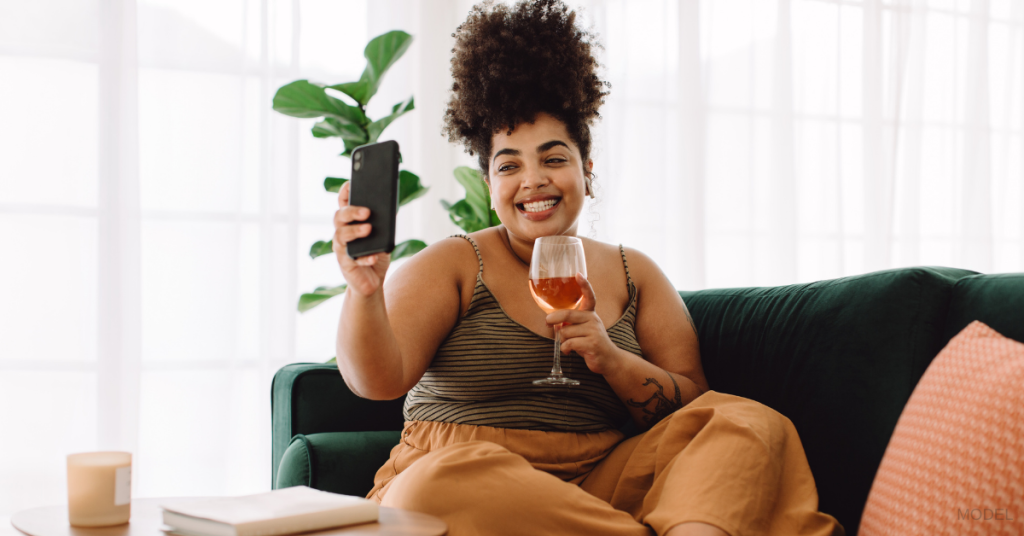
(663, 406)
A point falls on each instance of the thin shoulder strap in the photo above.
(479, 259)
(622, 251)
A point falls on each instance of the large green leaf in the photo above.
(334, 184)
(321, 294)
(331, 127)
(474, 212)
(327, 128)
(408, 249)
(321, 247)
(477, 195)
(381, 53)
(409, 187)
(459, 210)
(305, 99)
(462, 214)
(356, 90)
(349, 147)
(378, 126)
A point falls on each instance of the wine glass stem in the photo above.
(556, 370)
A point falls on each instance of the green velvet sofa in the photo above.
(840, 358)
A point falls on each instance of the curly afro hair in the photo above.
(511, 63)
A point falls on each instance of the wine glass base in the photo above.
(556, 380)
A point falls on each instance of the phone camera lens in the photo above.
(356, 166)
(359, 155)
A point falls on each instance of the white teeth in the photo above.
(539, 206)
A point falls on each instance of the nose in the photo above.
(534, 177)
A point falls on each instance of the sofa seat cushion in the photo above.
(838, 357)
(339, 462)
(955, 461)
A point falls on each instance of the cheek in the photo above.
(573, 185)
(503, 192)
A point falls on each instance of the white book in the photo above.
(283, 511)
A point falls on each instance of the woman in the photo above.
(457, 329)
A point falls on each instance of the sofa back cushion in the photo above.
(838, 357)
(996, 299)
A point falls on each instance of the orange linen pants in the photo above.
(723, 460)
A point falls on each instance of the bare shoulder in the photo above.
(603, 250)
(451, 250)
(654, 287)
(451, 260)
(643, 269)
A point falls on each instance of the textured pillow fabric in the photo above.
(955, 463)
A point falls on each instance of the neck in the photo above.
(522, 248)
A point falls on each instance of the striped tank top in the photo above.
(482, 373)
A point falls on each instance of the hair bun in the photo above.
(511, 63)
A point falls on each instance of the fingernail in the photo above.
(365, 212)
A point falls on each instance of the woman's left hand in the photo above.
(583, 332)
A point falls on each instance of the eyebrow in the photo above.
(513, 152)
(553, 143)
(540, 148)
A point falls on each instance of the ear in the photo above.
(590, 166)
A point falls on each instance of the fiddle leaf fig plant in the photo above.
(474, 212)
(348, 121)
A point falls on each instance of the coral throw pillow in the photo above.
(955, 463)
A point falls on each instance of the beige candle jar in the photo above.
(99, 488)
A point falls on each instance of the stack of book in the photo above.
(283, 511)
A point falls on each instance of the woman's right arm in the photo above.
(387, 336)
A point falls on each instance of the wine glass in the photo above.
(553, 268)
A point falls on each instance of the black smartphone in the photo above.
(375, 186)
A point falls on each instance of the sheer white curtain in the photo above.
(153, 230)
(753, 142)
(155, 214)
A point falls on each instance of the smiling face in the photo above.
(536, 179)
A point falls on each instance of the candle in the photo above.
(99, 488)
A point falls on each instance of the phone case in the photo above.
(375, 186)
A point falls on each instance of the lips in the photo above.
(538, 207)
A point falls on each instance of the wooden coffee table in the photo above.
(147, 519)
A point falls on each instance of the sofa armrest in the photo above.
(339, 462)
(312, 398)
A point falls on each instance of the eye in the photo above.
(505, 167)
(556, 160)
